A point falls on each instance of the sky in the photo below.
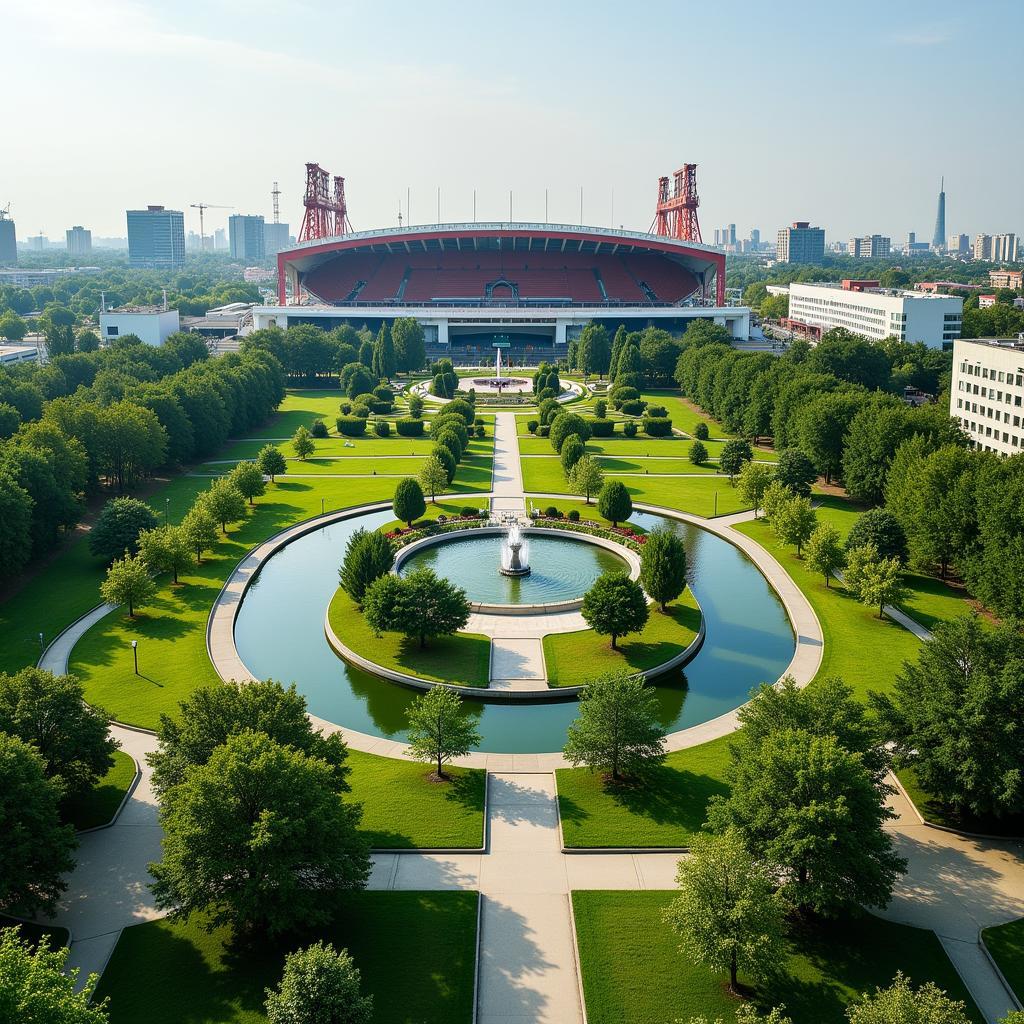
(843, 115)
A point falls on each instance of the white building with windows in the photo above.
(986, 394)
(877, 313)
(152, 324)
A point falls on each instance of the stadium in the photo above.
(532, 287)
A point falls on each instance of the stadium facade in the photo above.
(532, 286)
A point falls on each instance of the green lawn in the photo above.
(700, 496)
(404, 809)
(416, 952)
(633, 970)
(683, 413)
(617, 445)
(937, 813)
(1006, 944)
(573, 658)
(462, 659)
(99, 805)
(665, 809)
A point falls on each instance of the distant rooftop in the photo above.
(864, 287)
(138, 309)
(1014, 343)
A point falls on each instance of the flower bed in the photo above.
(623, 535)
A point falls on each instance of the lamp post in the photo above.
(167, 508)
(716, 503)
(321, 506)
(135, 655)
(42, 646)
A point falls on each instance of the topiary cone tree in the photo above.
(408, 504)
(614, 502)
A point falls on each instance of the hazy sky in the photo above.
(844, 115)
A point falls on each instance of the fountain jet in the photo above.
(515, 551)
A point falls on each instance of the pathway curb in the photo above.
(1014, 998)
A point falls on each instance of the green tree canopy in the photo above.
(567, 424)
(573, 449)
(368, 556)
(320, 985)
(440, 728)
(794, 521)
(587, 478)
(408, 504)
(796, 472)
(118, 526)
(902, 1004)
(825, 552)
(881, 529)
(615, 606)
(663, 566)
(128, 582)
(248, 478)
(303, 443)
(421, 605)
(734, 456)
(199, 528)
(754, 480)
(271, 461)
(167, 549)
(614, 502)
(224, 501)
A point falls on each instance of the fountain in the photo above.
(515, 551)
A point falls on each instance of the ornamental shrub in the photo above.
(634, 407)
(543, 430)
(622, 394)
(360, 411)
(449, 421)
(345, 408)
(409, 427)
(444, 455)
(450, 440)
(657, 426)
(574, 515)
(600, 408)
(701, 432)
(381, 408)
(319, 428)
(381, 428)
(566, 425)
(551, 512)
(532, 425)
(601, 427)
(657, 410)
(463, 408)
(629, 428)
(480, 430)
(351, 426)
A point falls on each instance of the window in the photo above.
(111, 331)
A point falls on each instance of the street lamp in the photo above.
(135, 655)
(321, 506)
(42, 646)
(167, 508)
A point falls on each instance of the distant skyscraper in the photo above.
(939, 237)
(959, 244)
(8, 241)
(246, 237)
(800, 243)
(79, 241)
(755, 237)
(156, 237)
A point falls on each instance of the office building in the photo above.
(245, 236)
(958, 245)
(986, 393)
(153, 324)
(1004, 248)
(275, 238)
(156, 237)
(984, 301)
(800, 243)
(37, 243)
(79, 240)
(869, 245)
(48, 276)
(939, 236)
(982, 247)
(755, 238)
(220, 239)
(8, 241)
(877, 313)
(1006, 279)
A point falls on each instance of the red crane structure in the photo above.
(326, 213)
(676, 215)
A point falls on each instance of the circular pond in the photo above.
(561, 568)
(279, 632)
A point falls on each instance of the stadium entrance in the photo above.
(523, 346)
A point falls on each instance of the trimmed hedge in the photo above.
(657, 426)
(629, 428)
(602, 427)
(351, 426)
(383, 408)
(544, 429)
(409, 427)
(319, 428)
(381, 428)
(657, 410)
(634, 407)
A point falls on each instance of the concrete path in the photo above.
(517, 663)
(506, 472)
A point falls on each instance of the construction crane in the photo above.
(206, 206)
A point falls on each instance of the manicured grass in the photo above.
(1006, 944)
(937, 813)
(33, 932)
(447, 508)
(613, 465)
(683, 413)
(415, 950)
(633, 970)
(573, 658)
(100, 805)
(665, 808)
(404, 809)
(462, 659)
(617, 445)
(700, 496)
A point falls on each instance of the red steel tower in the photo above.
(326, 213)
(676, 215)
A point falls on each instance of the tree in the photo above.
(663, 566)
(303, 443)
(754, 480)
(728, 913)
(166, 549)
(408, 504)
(36, 985)
(618, 730)
(814, 812)
(881, 583)
(320, 985)
(211, 714)
(615, 606)
(593, 350)
(439, 728)
(10, 420)
(16, 535)
(36, 846)
(224, 501)
(382, 359)
(587, 478)
(443, 455)
(881, 529)
(87, 341)
(614, 502)
(368, 556)
(566, 424)
(12, 327)
(735, 454)
(259, 838)
(128, 582)
(433, 477)
(131, 443)
(698, 453)
(573, 449)
(794, 521)
(825, 551)
(199, 529)
(118, 527)
(248, 478)
(796, 472)
(822, 426)
(954, 716)
(271, 461)
(901, 1004)
(356, 378)
(50, 714)
(410, 348)
(422, 605)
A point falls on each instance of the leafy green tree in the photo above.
(881, 529)
(735, 455)
(166, 549)
(271, 461)
(587, 478)
(617, 345)
(825, 551)
(440, 729)
(850, 357)
(857, 561)
(131, 443)
(614, 502)
(663, 566)
(213, 713)
(953, 716)
(871, 442)
(118, 527)
(36, 846)
(128, 582)
(12, 327)
(320, 985)
(618, 730)
(410, 347)
(408, 504)
(415, 406)
(746, 1013)
(199, 529)
(629, 371)
(224, 502)
(10, 420)
(248, 478)
(356, 378)
(421, 605)
(573, 449)
(812, 809)
(368, 556)
(796, 472)
(728, 912)
(698, 453)
(700, 431)
(382, 358)
(615, 606)
(87, 341)
(50, 714)
(448, 438)
(881, 583)
(258, 838)
(754, 480)
(16, 535)
(36, 986)
(433, 477)
(901, 1004)
(303, 443)
(567, 424)
(443, 454)
(822, 427)
(794, 521)
(593, 351)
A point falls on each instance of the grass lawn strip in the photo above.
(99, 805)
(462, 659)
(936, 813)
(1006, 944)
(415, 950)
(633, 970)
(573, 658)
